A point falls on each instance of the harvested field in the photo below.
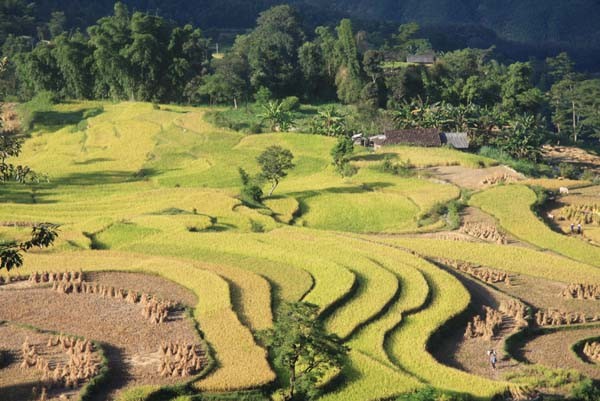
(470, 355)
(17, 384)
(566, 154)
(471, 178)
(145, 283)
(131, 341)
(553, 349)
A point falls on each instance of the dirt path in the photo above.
(131, 341)
(470, 355)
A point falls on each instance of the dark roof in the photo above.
(458, 140)
(415, 136)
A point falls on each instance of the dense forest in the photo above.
(134, 55)
(518, 29)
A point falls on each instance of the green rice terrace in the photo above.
(164, 281)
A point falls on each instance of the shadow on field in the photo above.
(27, 194)
(104, 177)
(93, 161)
(374, 157)
(303, 196)
(52, 120)
(117, 377)
(19, 392)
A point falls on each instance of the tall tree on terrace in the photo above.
(274, 163)
(348, 79)
(273, 50)
(304, 349)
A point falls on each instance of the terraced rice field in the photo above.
(156, 191)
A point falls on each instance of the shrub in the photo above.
(254, 128)
(256, 227)
(567, 170)
(93, 112)
(401, 168)
(431, 394)
(521, 165)
(586, 391)
(263, 95)
(41, 102)
(290, 103)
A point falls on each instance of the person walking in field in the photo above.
(572, 228)
(579, 230)
(493, 358)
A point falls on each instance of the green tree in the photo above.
(518, 94)
(39, 70)
(275, 162)
(251, 191)
(112, 70)
(524, 138)
(16, 18)
(73, 58)
(57, 23)
(188, 55)
(303, 347)
(348, 79)
(147, 56)
(328, 45)
(272, 50)
(42, 235)
(405, 43)
(341, 153)
(230, 82)
(316, 82)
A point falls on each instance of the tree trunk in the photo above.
(235, 106)
(273, 188)
(292, 384)
(574, 115)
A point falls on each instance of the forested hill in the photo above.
(517, 27)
